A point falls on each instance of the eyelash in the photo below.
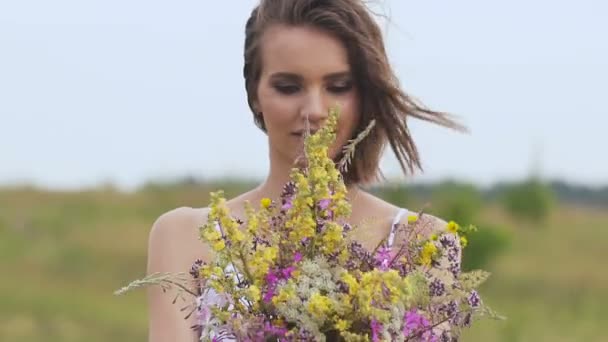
(292, 89)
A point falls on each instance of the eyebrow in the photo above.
(296, 77)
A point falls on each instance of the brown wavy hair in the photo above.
(381, 97)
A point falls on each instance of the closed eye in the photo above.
(290, 89)
(339, 89)
(287, 89)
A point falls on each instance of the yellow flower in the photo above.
(261, 260)
(393, 282)
(270, 253)
(342, 325)
(346, 300)
(428, 251)
(254, 293)
(216, 285)
(217, 271)
(219, 245)
(265, 202)
(351, 282)
(332, 237)
(285, 293)
(222, 315)
(319, 305)
(209, 233)
(252, 219)
(463, 241)
(434, 237)
(453, 227)
(205, 271)
(343, 256)
(412, 218)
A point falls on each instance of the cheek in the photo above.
(347, 123)
(277, 110)
(349, 118)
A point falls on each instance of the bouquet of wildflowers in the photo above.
(291, 272)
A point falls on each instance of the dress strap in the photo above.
(396, 220)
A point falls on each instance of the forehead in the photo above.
(303, 50)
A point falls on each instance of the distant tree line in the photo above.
(562, 191)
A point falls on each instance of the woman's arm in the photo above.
(173, 246)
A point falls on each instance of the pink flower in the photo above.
(376, 327)
(383, 257)
(275, 275)
(324, 203)
(286, 272)
(287, 204)
(273, 330)
(271, 284)
(417, 324)
(297, 257)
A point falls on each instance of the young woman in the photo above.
(301, 58)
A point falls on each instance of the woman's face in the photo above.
(305, 72)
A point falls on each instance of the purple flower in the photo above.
(196, 267)
(447, 241)
(383, 257)
(474, 299)
(269, 294)
(289, 189)
(287, 204)
(287, 271)
(287, 196)
(275, 331)
(297, 257)
(360, 254)
(376, 327)
(455, 269)
(275, 275)
(416, 323)
(346, 228)
(452, 254)
(271, 277)
(452, 312)
(271, 284)
(437, 288)
(324, 203)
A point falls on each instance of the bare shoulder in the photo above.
(427, 223)
(173, 241)
(177, 220)
(173, 246)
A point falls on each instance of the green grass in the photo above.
(63, 254)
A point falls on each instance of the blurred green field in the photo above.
(63, 254)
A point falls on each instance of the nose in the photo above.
(314, 109)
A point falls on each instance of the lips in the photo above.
(300, 133)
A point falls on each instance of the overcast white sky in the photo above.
(126, 91)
